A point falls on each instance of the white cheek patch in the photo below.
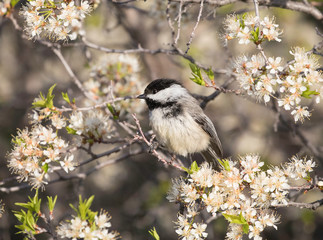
(168, 94)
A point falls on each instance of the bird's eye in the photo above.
(155, 91)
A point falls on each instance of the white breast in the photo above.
(181, 134)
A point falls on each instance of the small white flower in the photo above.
(203, 177)
(68, 163)
(274, 65)
(300, 113)
(174, 194)
(272, 34)
(102, 221)
(198, 231)
(244, 36)
(189, 193)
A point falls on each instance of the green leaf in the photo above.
(255, 35)
(113, 111)
(39, 103)
(245, 228)
(154, 233)
(50, 97)
(30, 221)
(74, 208)
(308, 177)
(225, 163)
(66, 98)
(194, 167)
(83, 210)
(242, 20)
(235, 219)
(51, 203)
(186, 170)
(45, 102)
(308, 93)
(36, 202)
(91, 216)
(19, 215)
(88, 202)
(33, 205)
(197, 75)
(45, 167)
(13, 3)
(210, 74)
(24, 205)
(70, 130)
(29, 218)
(238, 220)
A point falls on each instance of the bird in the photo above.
(178, 121)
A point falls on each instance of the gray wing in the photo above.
(215, 150)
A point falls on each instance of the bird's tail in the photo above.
(211, 156)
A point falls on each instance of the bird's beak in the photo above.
(141, 96)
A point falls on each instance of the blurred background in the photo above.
(133, 191)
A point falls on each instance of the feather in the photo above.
(214, 150)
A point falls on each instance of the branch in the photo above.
(81, 175)
(286, 4)
(153, 151)
(169, 21)
(221, 89)
(107, 153)
(313, 205)
(173, 51)
(294, 5)
(179, 22)
(100, 105)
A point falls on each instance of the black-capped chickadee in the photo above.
(179, 122)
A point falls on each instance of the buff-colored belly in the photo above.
(181, 135)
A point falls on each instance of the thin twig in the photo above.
(173, 51)
(82, 175)
(195, 27)
(100, 105)
(179, 22)
(107, 153)
(256, 4)
(286, 4)
(169, 20)
(153, 151)
(313, 205)
(77, 82)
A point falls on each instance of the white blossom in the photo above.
(63, 21)
(77, 228)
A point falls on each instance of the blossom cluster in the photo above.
(57, 20)
(77, 228)
(249, 28)
(39, 115)
(113, 76)
(243, 193)
(35, 154)
(92, 126)
(39, 150)
(268, 78)
(187, 229)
